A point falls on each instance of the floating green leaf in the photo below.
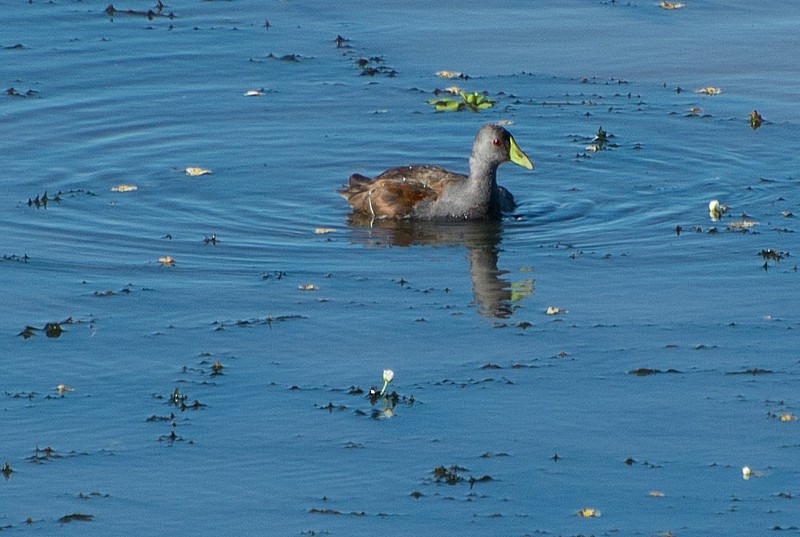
(520, 290)
(474, 101)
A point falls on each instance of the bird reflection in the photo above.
(493, 296)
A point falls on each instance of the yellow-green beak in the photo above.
(518, 157)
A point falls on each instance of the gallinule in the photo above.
(431, 192)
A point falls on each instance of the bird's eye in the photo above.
(496, 141)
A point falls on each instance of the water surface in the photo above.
(285, 440)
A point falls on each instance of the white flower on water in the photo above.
(388, 375)
(716, 210)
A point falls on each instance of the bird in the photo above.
(424, 192)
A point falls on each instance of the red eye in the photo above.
(496, 141)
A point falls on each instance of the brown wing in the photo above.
(395, 192)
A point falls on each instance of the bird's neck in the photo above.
(482, 175)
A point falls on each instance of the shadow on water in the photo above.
(494, 296)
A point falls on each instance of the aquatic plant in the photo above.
(716, 210)
(469, 101)
(52, 330)
(150, 14)
(450, 476)
(388, 376)
(82, 517)
(755, 120)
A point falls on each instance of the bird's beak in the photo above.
(518, 157)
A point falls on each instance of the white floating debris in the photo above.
(588, 512)
(194, 172)
(709, 90)
(449, 74)
(124, 188)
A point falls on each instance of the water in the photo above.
(545, 405)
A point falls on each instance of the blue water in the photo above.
(543, 404)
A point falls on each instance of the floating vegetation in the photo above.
(124, 188)
(768, 254)
(291, 58)
(62, 389)
(452, 74)
(490, 455)
(709, 90)
(600, 141)
(76, 517)
(744, 225)
(369, 66)
(6, 471)
(51, 330)
(150, 14)
(14, 92)
(772, 255)
(328, 511)
(522, 289)
(195, 172)
(645, 371)
(180, 400)
(448, 476)
(716, 210)
(753, 371)
(41, 455)
(216, 368)
(342, 42)
(110, 292)
(671, 5)
(307, 287)
(588, 512)
(755, 120)
(246, 323)
(90, 495)
(474, 102)
(747, 473)
(13, 257)
(154, 418)
(388, 376)
(452, 476)
(274, 275)
(374, 66)
(40, 202)
(383, 401)
(630, 461)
